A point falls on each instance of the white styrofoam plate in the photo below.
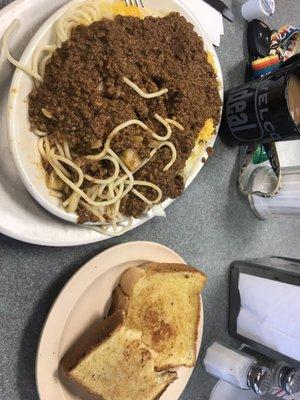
(24, 219)
(84, 300)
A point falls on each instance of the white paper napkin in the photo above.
(210, 19)
(270, 314)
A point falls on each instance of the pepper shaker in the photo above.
(287, 378)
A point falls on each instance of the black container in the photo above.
(258, 111)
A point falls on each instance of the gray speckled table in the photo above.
(209, 226)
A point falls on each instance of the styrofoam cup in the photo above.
(253, 9)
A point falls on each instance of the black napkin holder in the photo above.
(280, 269)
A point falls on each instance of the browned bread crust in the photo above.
(152, 268)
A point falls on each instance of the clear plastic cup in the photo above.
(285, 203)
(256, 9)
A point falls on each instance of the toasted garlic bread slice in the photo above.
(164, 304)
(121, 367)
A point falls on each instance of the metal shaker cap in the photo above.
(259, 379)
(290, 380)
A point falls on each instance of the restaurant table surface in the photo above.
(210, 226)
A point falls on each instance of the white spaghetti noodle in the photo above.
(175, 123)
(125, 125)
(67, 150)
(40, 58)
(105, 230)
(40, 133)
(108, 180)
(84, 13)
(41, 147)
(141, 92)
(174, 154)
(128, 174)
(152, 186)
(11, 59)
(59, 148)
(56, 194)
(166, 125)
(95, 211)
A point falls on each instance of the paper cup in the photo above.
(254, 9)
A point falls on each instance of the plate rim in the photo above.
(79, 275)
(12, 138)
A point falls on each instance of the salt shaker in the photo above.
(237, 368)
(287, 378)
